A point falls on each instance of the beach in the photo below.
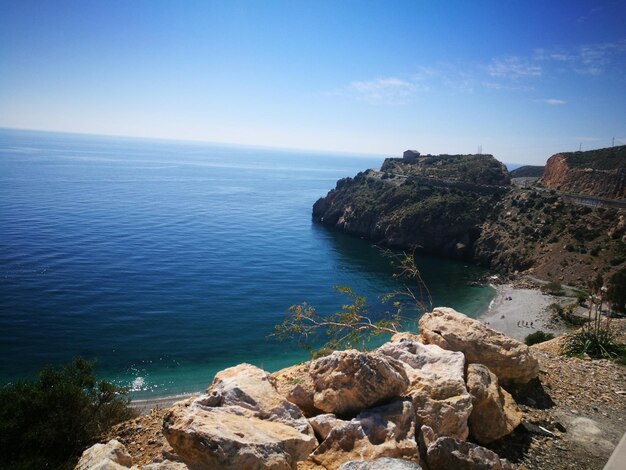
(518, 312)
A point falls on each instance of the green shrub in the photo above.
(48, 422)
(537, 337)
(600, 344)
(616, 293)
(553, 288)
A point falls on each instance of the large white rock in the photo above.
(233, 437)
(324, 423)
(437, 385)
(347, 382)
(384, 463)
(240, 423)
(296, 385)
(495, 414)
(384, 431)
(447, 453)
(112, 456)
(249, 387)
(507, 358)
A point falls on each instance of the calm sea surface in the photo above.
(169, 261)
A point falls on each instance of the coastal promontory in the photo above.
(568, 226)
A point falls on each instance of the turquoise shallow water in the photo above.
(168, 261)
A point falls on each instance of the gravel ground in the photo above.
(582, 405)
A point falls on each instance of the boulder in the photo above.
(296, 385)
(324, 423)
(384, 463)
(447, 453)
(347, 382)
(495, 414)
(507, 358)
(165, 465)
(404, 335)
(249, 387)
(233, 437)
(112, 455)
(384, 431)
(437, 385)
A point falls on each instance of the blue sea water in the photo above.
(168, 261)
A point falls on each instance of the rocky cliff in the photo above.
(434, 204)
(600, 173)
(462, 206)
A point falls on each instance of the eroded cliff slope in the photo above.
(600, 173)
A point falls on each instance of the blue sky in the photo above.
(522, 79)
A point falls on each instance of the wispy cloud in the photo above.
(385, 90)
(513, 67)
(590, 59)
(554, 101)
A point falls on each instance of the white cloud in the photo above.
(590, 59)
(513, 68)
(554, 101)
(385, 90)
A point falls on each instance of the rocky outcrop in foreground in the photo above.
(409, 404)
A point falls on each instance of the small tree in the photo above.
(352, 326)
(616, 292)
(596, 338)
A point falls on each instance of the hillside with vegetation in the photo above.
(463, 206)
(435, 204)
(528, 171)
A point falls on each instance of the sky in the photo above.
(520, 79)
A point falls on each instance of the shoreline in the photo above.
(144, 405)
(520, 311)
(526, 305)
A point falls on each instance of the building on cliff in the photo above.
(410, 155)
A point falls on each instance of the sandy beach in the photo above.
(514, 309)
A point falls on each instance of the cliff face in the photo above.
(433, 205)
(412, 205)
(599, 173)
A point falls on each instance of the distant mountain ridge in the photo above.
(528, 171)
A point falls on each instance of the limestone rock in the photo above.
(296, 385)
(233, 437)
(112, 455)
(507, 358)
(324, 423)
(447, 453)
(240, 423)
(495, 414)
(384, 463)
(165, 465)
(347, 382)
(384, 431)
(249, 387)
(437, 385)
(405, 335)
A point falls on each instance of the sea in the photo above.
(167, 261)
